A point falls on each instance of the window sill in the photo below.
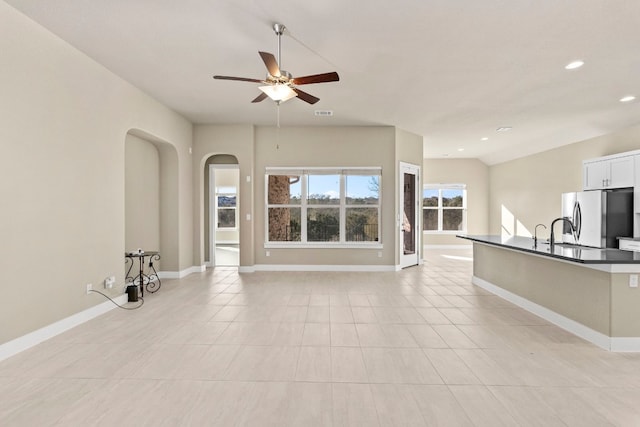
(322, 245)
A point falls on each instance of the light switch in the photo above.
(248, 217)
(633, 280)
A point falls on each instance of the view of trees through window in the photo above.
(226, 207)
(444, 208)
(329, 207)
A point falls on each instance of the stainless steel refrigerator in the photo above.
(599, 216)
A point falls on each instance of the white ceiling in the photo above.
(450, 70)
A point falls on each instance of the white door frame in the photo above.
(212, 207)
(407, 260)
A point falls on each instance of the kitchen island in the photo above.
(587, 291)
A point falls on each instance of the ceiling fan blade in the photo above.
(240, 79)
(316, 78)
(271, 63)
(260, 97)
(305, 96)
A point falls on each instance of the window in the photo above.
(321, 206)
(444, 208)
(226, 204)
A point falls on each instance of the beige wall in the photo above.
(527, 191)
(326, 147)
(142, 195)
(259, 147)
(65, 119)
(475, 175)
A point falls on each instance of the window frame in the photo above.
(304, 173)
(440, 208)
(219, 208)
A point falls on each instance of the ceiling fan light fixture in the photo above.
(279, 92)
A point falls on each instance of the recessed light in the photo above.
(484, 138)
(460, 149)
(573, 65)
(504, 129)
(627, 98)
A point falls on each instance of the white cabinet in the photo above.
(611, 172)
(595, 175)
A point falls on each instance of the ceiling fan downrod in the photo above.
(279, 30)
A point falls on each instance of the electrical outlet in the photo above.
(109, 281)
(89, 288)
(379, 254)
(633, 280)
(268, 253)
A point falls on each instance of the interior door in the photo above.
(409, 220)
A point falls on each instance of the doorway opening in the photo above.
(409, 220)
(224, 214)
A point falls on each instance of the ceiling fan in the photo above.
(280, 85)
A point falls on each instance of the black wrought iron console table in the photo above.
(150, 279)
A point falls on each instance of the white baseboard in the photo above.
(448, 247)
(182, 273)
(295, 267)
(625, 344)
(31, 339)
(576, 328)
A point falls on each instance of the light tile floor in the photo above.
(417, 347)
(227, 255)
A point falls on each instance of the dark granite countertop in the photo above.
(573, 253)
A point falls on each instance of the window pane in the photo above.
(430, 197)
(361, 225)
(452, 198)
(323, 189)
(226, 201)
(226, 218)
(362, 189)
(323, 224)
(452, 219)
(284, 190)
(284, 224)
(226, 190)
(430, 219)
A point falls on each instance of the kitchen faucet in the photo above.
(568, 221)
(535, 234)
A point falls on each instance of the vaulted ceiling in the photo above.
(452, 71)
